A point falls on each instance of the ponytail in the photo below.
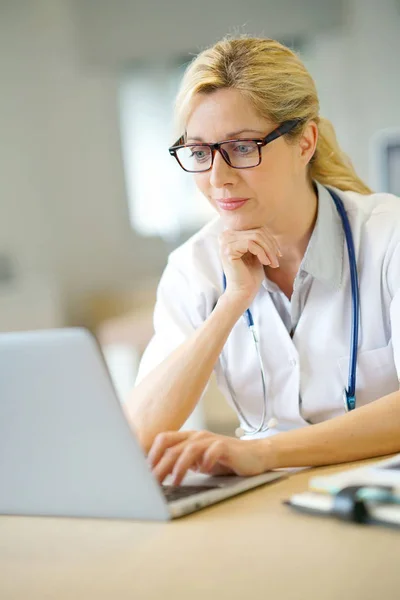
(330, 165)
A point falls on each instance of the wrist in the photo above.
(268, 453)
(236, 303)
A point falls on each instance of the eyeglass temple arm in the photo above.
(179, 142)
(284, 128)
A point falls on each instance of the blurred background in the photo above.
(90, 201)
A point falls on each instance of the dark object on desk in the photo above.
(375, 505)
(349, 507)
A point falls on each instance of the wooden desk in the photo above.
(250, 546)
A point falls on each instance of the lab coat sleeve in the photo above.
(180, 309)
(394, 288)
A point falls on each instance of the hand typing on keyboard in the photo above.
(175, 452)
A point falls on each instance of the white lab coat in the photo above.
(313, 365)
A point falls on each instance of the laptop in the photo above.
(66, 448)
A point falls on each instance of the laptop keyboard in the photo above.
(177, 492)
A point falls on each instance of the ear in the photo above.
(308, 142)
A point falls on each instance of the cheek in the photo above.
(275, 175)
(203, 185)
(260, 180)
(270, 183)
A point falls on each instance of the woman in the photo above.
(271, 167)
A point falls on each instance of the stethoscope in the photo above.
(349, 393)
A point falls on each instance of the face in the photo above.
(269, 191)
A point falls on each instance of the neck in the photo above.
(293, 238)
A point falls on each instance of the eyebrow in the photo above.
(230, 135)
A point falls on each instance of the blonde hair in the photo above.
(280, 88)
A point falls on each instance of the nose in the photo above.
(221, 173)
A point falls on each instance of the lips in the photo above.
(231, 203)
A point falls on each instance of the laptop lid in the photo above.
(66, 448)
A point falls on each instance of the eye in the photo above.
(199, 154)
(245, 148)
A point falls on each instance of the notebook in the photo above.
(369, 494)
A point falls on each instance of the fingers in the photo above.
(211, 453)
(259, 251)
(269, 243)
(167, 462)
(272, 240)
(167, 448)
(237, 248)
(189, 457)
(194, 453)
(162, 442)
(235, 244)
(217, 452)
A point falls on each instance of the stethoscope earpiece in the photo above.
(272, 423)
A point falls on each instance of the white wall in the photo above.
(62, 196)
(357, 73)
(111, 32)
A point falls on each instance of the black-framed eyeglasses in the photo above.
(238, 154)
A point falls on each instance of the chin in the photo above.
(240, 222)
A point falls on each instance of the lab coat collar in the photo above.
(323, 259)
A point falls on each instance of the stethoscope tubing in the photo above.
(349, 393)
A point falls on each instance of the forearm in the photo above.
(371, 430)
(166, 397)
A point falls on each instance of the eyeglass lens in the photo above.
(240, 154)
